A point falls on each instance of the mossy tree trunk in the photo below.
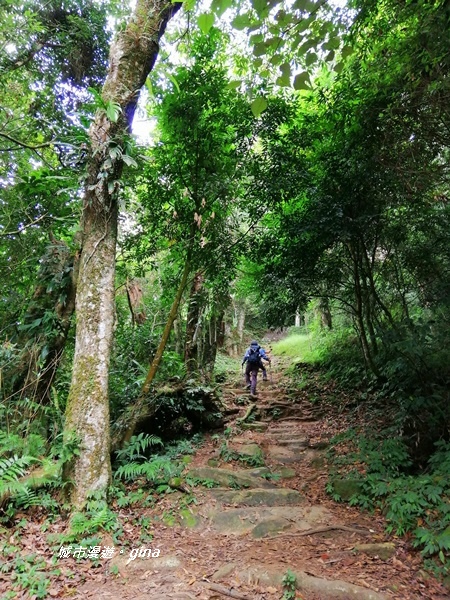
(46, 325)
(132, 56)
(193, 324)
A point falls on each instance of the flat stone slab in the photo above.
(262, 497)
(229, 478)
(131, 561)
(270, 527)
(259, 471)
(286, 473)
(247, 449)
(283, 455)
(264, 521)
(255, 426)
(289, 435)
(293, 441)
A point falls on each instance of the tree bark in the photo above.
(191, 349)
(55, 294)
(132, 56)
(325, 313)
(211, 341)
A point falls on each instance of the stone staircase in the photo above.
(261, 511)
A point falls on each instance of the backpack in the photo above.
(253, 355)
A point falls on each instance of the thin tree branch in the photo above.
(23, 144)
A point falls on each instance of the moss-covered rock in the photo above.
(381, 550)
(347, 488)
(271, 526)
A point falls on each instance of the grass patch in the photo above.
(300, 347)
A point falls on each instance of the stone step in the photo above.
(287, 435)
(228, 478)
(261, 520)
(255, 426)
(259, 497)
(298, 442)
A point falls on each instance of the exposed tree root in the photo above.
(226, 592)
(321, 530)
(249, 411)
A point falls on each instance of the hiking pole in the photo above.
(270, 371)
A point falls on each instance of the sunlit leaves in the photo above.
(189, 4)
(241, 22)
(301, 81)
(258, 106)
(220, 6)
(284, 79)
(261, 7)
(113, 111)
(205, 22)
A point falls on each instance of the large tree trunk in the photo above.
(132, 56)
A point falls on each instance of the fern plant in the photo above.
(136, 447)
(24, 471)
(156, 471)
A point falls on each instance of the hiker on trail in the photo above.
(254, 358)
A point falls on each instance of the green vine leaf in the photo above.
(205, 21)
(258, 106)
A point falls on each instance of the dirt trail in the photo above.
(240, 539)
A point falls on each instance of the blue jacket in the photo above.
(262, 353)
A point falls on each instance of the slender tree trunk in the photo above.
(359, 313)
(211, 343)
(178, 333)
(128, 425)
(132, 56)
(325, 313)
(191, 350)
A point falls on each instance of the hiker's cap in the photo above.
(254, 343)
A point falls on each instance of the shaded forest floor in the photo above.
(257, 511)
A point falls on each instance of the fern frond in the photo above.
(130, 471)
(137, 446)
(11, 469)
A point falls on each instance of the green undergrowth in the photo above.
(225, 367)
(393, 458)
(144, 472)
(378, 470)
